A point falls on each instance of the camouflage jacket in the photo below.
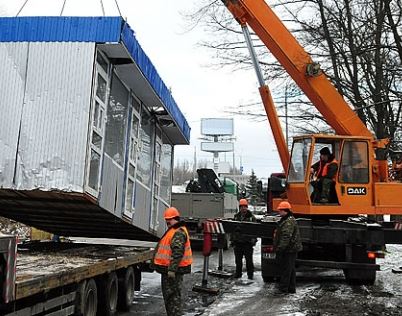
(287, 235)
(177, 246)
(239, 238)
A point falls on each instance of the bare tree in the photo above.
(358, 43)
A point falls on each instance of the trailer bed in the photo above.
(46, 266)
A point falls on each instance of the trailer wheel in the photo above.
(268, 279)
(108, 293)
(87, 298)
(360, 277)
(126, 289)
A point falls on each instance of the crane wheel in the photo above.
(108, 294)
(126, 289)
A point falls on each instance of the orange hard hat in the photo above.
(284, 205)
(243, 202)
(171, 212)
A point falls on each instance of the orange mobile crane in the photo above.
(362, 185)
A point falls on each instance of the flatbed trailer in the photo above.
(73, 279)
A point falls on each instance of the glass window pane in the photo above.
(96, 140)
(101, 88)
(131, 171)
(299, 160)
(96, 114)
(158, 152)
(136, 105)
(129, 195)
(133, 152)
(94, 170)
(166, 176)
(134, 126)
(100, 120)
(354, 165)
(116, 124)
(102, 62)
(144, 163)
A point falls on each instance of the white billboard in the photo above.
(217, 147)
(216, 126)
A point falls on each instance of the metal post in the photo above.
(205, 271)
(220, 259)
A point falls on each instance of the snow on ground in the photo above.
(319, 292)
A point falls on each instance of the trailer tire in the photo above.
(108, 294)
(268, 279)
(87, 298)
(360, 277)
(126, 289)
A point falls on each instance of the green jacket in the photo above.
(239, 238)
(177, 246)
(287, 236)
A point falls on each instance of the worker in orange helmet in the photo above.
(173, 258)
(243, 244)
(287, 244)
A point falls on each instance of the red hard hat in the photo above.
(171, 212)
(243, 202)
(284, 205)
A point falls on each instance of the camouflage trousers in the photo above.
(171, 290)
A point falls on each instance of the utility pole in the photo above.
(195, 162)
(286, 115)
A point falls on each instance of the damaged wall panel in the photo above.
(14, 57)
(55, 117)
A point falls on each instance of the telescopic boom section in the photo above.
(269, 105)
(299, 65)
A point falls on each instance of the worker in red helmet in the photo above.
(172, 259)
(287, 244)
(243, 244)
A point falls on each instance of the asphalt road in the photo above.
(319, 292)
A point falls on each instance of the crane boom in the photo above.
(292, 56)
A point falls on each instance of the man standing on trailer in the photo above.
(287, 243)
(243, 244)
(173, 258)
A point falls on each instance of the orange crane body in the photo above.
(362, 185)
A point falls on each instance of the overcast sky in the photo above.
(199, 90)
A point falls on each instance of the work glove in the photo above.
(171, 274)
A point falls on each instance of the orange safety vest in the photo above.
(163, 255)
(324, 170)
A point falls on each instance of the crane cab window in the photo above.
(299, 160)
(354, 163)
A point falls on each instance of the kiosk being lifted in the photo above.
(88, 129)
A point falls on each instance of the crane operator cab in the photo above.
(329, 174)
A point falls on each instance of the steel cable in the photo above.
(26, 1)
(103, 8)
(62, 9)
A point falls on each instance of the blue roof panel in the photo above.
(60, 29)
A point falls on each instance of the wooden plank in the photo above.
(39, 272)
